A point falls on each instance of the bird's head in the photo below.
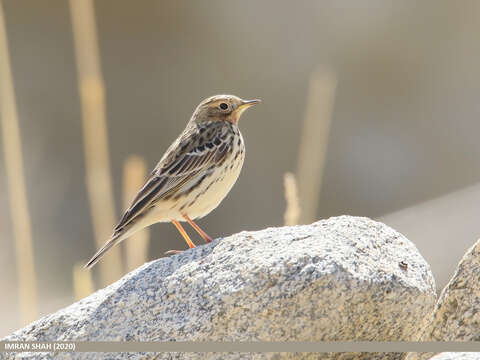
(222, 108)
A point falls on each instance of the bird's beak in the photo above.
(244, 105)
(247, 103)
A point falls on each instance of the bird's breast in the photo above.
(204, 192)
(215, 185)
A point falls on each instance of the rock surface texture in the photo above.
(457, 356)
(345, 278)
(457, 314)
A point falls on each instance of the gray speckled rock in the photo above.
(344, 278)
(457, 314)
(457, 356)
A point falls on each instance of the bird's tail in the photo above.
(116, 238)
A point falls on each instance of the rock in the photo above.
(457, 356)
(457, 314)
(345, 278)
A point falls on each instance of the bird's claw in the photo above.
(173, 252)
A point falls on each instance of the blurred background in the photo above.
(372, 105)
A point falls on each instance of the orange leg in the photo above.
(197, 228)
(182, 231)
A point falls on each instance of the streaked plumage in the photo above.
(193, 176)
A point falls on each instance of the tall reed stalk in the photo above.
(136, 248)
(314, 141)
(12, 149)
(95, 136)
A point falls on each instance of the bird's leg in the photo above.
(202, 233)
(182, 231)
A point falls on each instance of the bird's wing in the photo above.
(191, 154)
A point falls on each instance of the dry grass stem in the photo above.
(82, 282)
(314, 140)
(136, 249)
(12, 148)
(292, 211)
(92, 93)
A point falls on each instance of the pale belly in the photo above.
(202, 200)
(217, 191)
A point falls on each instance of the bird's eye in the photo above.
(223, 106)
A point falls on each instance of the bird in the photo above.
(194, 175)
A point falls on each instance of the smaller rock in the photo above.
(457, 313)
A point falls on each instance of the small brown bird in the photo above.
(193, 176)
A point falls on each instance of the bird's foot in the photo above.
(173, 252)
